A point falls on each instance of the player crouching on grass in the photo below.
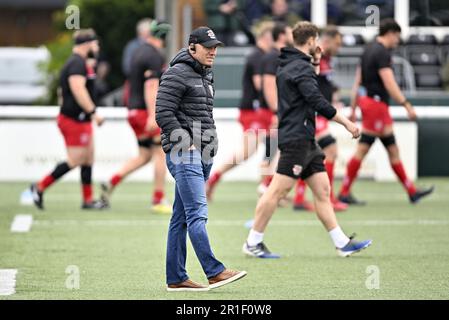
(299, 98)
(184, 108)
(75, 119)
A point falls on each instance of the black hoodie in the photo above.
(299, 97)
(184, 106)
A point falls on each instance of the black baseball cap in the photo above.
(204, 36)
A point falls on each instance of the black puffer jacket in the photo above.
(299, 98)
(184, 106)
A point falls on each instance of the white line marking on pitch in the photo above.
(232, 223)
(22, 223)
(7, 282)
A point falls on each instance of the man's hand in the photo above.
(353, 129)
(151, 124)
(317, 55)
(410, 111)
(99, 120)
(353, 115)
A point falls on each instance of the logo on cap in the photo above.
(211, 34)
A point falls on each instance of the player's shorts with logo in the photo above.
(259, 119)
(375, 114)
(301, 159)
(75, 133)
(137, 119)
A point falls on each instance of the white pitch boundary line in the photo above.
(7, 282)
(22, 223)
(233, 223)
(373, 196)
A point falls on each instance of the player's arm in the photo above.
(308, 86)
(257, 82)
(77, 84)
(348, 124)
(387, 76)
(355, 91)
(270, 91)
(150, 92)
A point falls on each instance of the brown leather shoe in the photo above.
(187, 285)
(227, 276)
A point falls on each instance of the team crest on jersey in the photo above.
(297, 169)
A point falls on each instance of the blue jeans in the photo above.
(189, 214)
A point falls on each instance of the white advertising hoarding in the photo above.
(31, 145)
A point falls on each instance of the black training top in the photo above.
(299, 97)
(146, 63)
(270, 64)
(75, 65)
(253, 66)
(375, 57)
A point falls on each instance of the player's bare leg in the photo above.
(137, 162)
(75, 157)
(331, 153)
(144, 156)
(279, 187)
(319, 184)
(86, 180)
(268, 169)
(269, 162)
(389, 142)
(353, 168)
(299, 201)
(160, 170)
(346, 246)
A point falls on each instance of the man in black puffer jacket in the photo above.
(184, 112)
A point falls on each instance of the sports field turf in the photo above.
(121, 252)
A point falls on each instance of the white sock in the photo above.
(338, 237)
(254, 238)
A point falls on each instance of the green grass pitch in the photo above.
(120, 253)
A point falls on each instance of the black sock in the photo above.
(86, 174)
(86, 183)
(60, 170)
